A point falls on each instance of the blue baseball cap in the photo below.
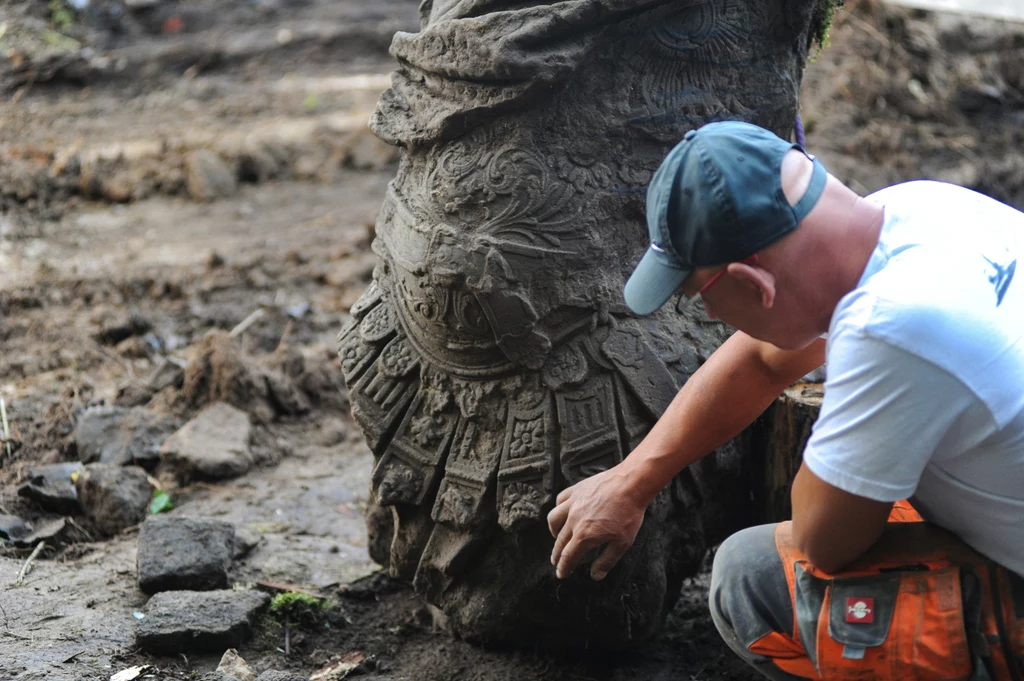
(716, 198)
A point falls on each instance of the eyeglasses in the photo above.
(685, 300)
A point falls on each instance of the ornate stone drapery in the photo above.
(493, 362)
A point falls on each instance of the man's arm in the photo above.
(832, 527)
(737, 383)
(885, 413)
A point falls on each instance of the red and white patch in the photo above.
(860, 610)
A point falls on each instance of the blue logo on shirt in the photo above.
(1002, 276)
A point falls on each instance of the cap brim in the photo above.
(653, 282)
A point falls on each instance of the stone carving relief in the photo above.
(493, 362)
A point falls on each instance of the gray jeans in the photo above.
(749, 597)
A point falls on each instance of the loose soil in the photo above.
(110, 266)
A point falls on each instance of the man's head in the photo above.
(731, 191)
(717, 198)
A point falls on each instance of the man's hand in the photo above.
(729, 391)
(603, 510)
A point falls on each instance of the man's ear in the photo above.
(759, 277)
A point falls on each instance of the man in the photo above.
(911, 294)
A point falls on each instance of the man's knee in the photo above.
(749, 596)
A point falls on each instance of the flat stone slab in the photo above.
(179, 621)
(191, 554)
(114, 497)
(50, 486)
(212, 446)
(122, 437)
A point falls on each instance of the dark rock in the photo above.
(114, 497)
(13, 528)
(280, 676)
(50, 486)
(122, 437)
(212, 446)
(184, 554)
(179, 621)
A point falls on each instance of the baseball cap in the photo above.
(716, 198)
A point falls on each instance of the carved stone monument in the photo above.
(493, 362)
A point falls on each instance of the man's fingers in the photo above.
(571, 557)
(563, 538)
(557, 518)
(564, 495)
(608, 559)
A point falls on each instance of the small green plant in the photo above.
(299, 609)
(822, 20)
(161, 502)
(61, 15)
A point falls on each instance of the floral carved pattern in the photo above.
(565, 367)
(351, 355)
(527, 439)
(455, 506)
(520, 505)
(378, 324)
(398, 358)
(427, 430)
(400, 483)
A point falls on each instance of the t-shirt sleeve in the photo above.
(884, 414)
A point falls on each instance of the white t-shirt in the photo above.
(925, 391)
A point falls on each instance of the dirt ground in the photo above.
(119, 252)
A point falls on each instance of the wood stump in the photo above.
(777, 443)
